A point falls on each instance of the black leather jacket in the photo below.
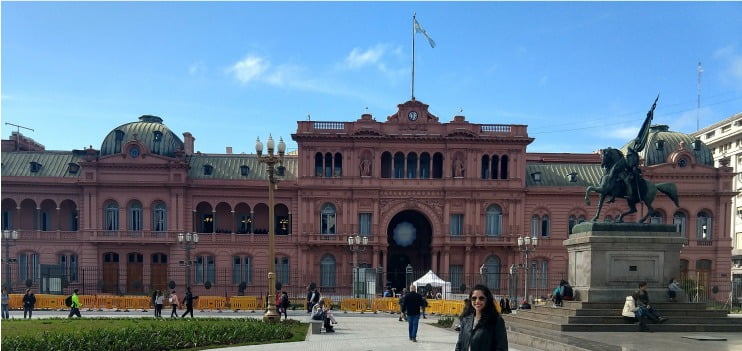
(489, 335)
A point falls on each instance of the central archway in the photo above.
(409, 236)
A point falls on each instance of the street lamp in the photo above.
(188, 241)
(9, 240)
(526, 245)
(356, 244)
(408, 275)
(271, 161)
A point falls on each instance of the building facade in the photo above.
(452, 197)
(724, 138)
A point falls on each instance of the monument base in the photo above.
(608, 260)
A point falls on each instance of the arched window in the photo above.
(504, 167)
(437, 165)
(328, 219)
(492, 279)
(412, 165)
(425, 165)
(338, 165)
(282, 270)
(657, 218)
(545, 225)
(386, 165)
(485, 167)
(328, 165)
(29, 266)
(241, 269)
(135, 216)
(111, 219)
(399, 165)
(159, 217)
(318, 164)
(571, 222)
(327, 275)
(534, 225)
(680, 222)
(493, 225)
(703, 230)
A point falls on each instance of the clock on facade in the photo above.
(412, 115)
(134, 152)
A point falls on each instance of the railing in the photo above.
(495, 128)
(329, 125)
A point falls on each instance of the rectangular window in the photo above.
(282, 270)
(457, 275)
(160, 220)
(68, 264)
(457, 224)
(364, 224)
(135, 223)
(44, 221)
(28, 267)
(534, 226)
(241, 270)
(494, 224)
(7, 224)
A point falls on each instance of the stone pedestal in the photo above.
(608, 260)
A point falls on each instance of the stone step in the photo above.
(726, 325)
(618, 319)
(619, 305)
(670, 311)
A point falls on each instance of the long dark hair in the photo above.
(489, 311)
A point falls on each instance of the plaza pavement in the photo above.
(383, 331)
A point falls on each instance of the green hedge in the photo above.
(167, 335)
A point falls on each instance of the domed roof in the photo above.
(661, 142)
(148, 131)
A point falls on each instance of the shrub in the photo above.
(445, 321)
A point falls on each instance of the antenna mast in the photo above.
(698, 104)
(18, 134)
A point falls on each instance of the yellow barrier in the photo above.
(16, 301)
(211, 302)
(352, 304)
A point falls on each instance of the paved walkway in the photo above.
(383, 331)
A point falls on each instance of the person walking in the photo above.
(402, 315)
(29, 300)
(413, 303)
(283, 305)
(188, 300)
(175, 303)
(159, 301)
(75, 308)
(6, 302)
(482, 328)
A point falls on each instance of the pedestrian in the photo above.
(413, 303)
(29, 300)
(313, 298)
(644, 310)
(505, 305)
(283, 305)
(75, 307)
(309, 299)
(6, 302)
(402, 315)
(159, 301)
(152, 300)
(672, 290)
(175, 303)
(482, 328)
(188, 300)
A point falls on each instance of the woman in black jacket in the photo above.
(482, 328)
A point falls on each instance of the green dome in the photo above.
(149, 131)
(661, 142)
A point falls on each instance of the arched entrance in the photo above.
(409, 236)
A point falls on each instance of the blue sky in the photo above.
(582, 75)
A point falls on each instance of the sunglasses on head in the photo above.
(480, 298)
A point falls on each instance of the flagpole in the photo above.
(413, 56)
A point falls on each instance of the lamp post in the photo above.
(188, 241)
(271, 160)
(526, 245)
(408, 275)
(356, 244)
(9, 240)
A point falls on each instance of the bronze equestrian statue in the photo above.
(622, 177)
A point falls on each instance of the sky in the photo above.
(581, 75)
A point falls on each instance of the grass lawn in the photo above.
(140, 333)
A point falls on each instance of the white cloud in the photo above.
(371, 56)
(251, 68)
(731, 60)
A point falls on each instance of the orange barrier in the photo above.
(435, 306)
(138, 302)
(351, 304)
(16, 301)
(211, 302)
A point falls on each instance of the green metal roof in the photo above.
(229, 167)
(52, 163)
(653, 155)
(143, 131)
(558, 174)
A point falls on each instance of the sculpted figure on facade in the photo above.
(365, 167)
(622, 177)
(458, 168)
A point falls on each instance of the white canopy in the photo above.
(432, 279)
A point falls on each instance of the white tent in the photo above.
(435, 281)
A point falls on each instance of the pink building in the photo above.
(452, 197)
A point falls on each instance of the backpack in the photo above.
(567, 291)
(68, 301)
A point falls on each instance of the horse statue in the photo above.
(616, 180)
